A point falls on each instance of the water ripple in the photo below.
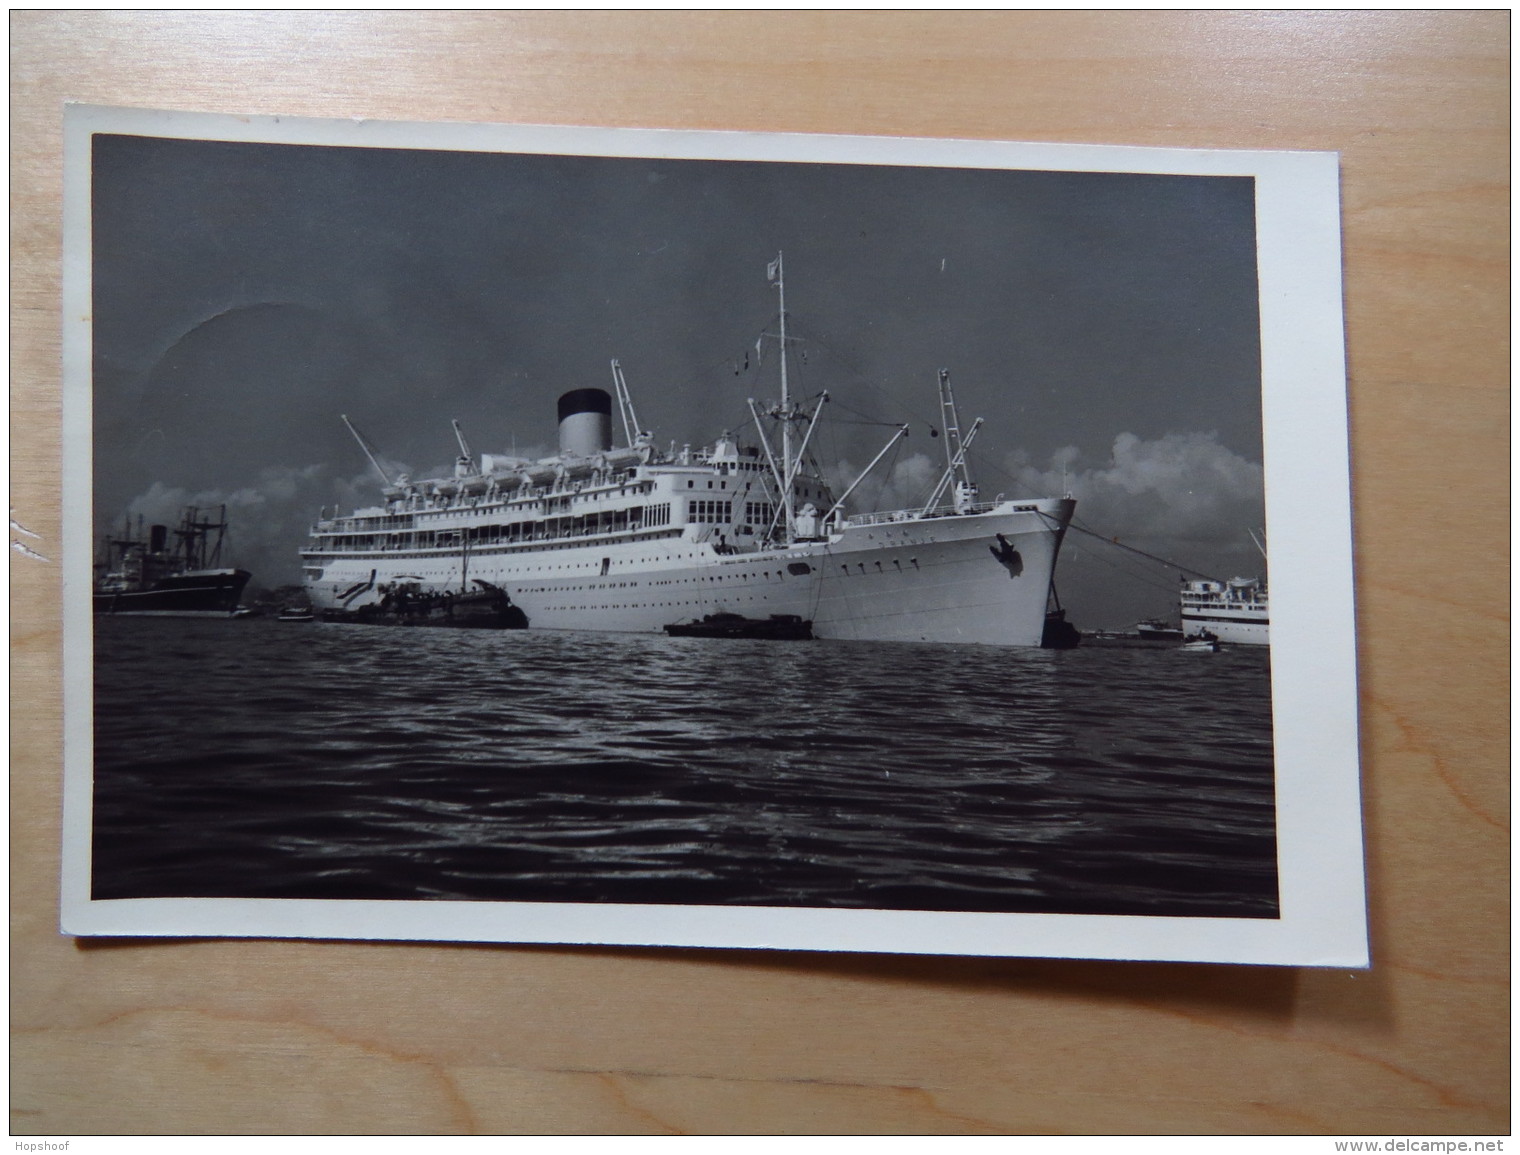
(263, 759)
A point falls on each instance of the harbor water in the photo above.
(256, 758)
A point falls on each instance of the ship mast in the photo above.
(949, 418)
(364, 445)
(964, 490)
(197, 551)
(221, 532)
(777, 274)
(631, 430)
(466, 463)
(956, 448)
(1262, 549)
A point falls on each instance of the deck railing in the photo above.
(938, 511)
(363, 524)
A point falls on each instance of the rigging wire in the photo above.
(1114, 541)
(1131, 573)
(886, 474)
(982, 464)
(865, 418)
(799, 334)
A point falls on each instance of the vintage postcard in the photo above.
(552, 535)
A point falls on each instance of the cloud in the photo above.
(1182, 489)
(1182, 496)
(267, 520)
(905, 484)
(911, 482)
(1185, 489)
(270, 517)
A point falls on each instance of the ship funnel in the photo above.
(158, 536)
(585, 422)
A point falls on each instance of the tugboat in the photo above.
(410, 603)
(140, 574)
(1059, 633)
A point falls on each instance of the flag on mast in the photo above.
(773, 269)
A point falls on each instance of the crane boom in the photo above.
(364, 445)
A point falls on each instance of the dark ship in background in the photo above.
(169, 572)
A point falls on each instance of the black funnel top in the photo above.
(585, 401)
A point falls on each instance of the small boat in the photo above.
(778, 627)
(296, 614)
(1157, 630)
(1200, 646)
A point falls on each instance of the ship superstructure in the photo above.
(1229, 611)
(1232, 611)
(634, 539)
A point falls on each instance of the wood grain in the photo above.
(206, 1036)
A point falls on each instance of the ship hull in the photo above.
(1235, 611)
(979, 578)
(198, 593)
(1235, 630)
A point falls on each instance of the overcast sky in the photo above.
(1104, 325)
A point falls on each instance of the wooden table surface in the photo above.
(231, 1036)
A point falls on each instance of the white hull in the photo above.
(1235, 611)
(935, 579)
(634, 540)
(1235, 631)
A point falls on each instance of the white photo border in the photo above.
(1314, 694)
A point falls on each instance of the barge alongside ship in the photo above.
(633, 539)
(410, 603)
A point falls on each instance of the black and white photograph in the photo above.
(581, 536)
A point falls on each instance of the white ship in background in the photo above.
(632, 539)
(1232, 611)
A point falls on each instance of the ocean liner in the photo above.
(1232, 611)
(150, 574)
(635, 539)
(1229, 611)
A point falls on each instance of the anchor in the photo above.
(1007, 556)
